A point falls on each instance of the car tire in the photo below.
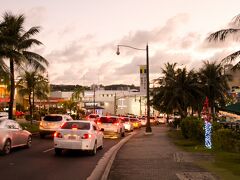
(94, 150)
(101, 147)
(58, 151)
(29, 142)
(7, 147)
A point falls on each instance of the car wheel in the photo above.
(94, 151)
(29, 142)
(7, 147)
(58, 151)
(101, 147)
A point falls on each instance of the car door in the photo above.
(21, 135)
(13, 133)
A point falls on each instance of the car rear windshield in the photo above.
(133, 120)
(125, 119)
(78, 125)
(52, 118)
(93, 116)
(108, 120)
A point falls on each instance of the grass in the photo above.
(226, 165)
(33, 128)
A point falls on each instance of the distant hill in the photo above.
(67, 88)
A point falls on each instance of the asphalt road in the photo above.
(40, 163)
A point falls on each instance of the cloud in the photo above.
(85, 61)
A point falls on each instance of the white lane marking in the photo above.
(48, 150)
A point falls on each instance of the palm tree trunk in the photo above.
(30, 106)
(12, 91)
(33, 102)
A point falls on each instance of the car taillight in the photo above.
(98, 122)
(62, 124)
(86, 136)
(41, 124)
(58, 135)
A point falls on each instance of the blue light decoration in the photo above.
(208, 135)
(207, 125)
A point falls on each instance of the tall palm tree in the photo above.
(215, 83)
(32, 83)
(180, 91)
(222, 34)
(15, 42)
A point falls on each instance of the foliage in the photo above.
(214, 83)
(192, 128)
(32, 84)
(227, 140)
(33, 128)
(181, 90)
(222, 35)
(14, 45)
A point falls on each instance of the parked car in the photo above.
(12, 135)
(136, 122)
(128, 125)
(112, 126)
(78, 134)
(50, 123)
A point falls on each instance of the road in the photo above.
(40, 163)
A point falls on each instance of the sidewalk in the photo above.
(154, 157)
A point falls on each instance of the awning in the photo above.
(233, 108)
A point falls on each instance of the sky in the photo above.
(80, 37)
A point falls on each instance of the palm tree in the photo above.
(31, 83)
(222, 34)
(15, 42)
(215, 83)
(180, 91)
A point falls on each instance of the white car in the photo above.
(50, 123)
(12, 135)
(78, 134)
(128, 125)
(111, 126)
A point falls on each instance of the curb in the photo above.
(104, 165)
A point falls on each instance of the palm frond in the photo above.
(231, 57)
(236, 20)
(236, 66)
(36, 60)
(221, 34)
(28, 43)
(32, 31)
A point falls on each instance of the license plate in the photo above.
(71, 137)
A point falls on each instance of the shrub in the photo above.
(226, 140)
(192, 127)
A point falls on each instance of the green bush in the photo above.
(226, 140)
(192, 128)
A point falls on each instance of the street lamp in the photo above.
(148, 126)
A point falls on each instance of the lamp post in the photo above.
(148, 126)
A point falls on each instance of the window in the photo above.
(78, 125)
(53, 118)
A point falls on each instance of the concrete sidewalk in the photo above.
(154, 157)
